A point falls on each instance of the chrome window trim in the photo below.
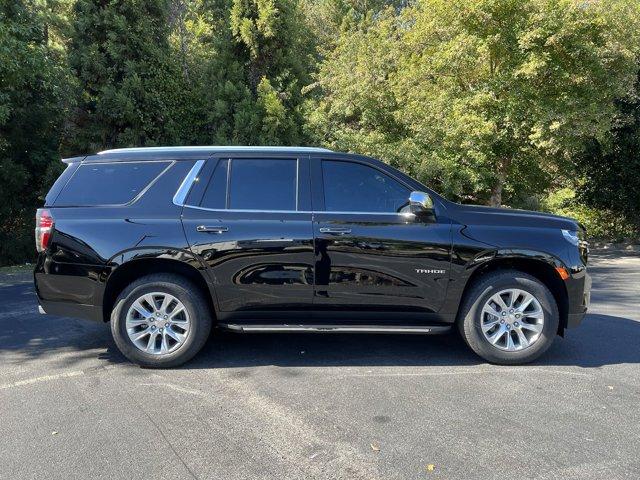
(396, 214)
(297, 182)
(402, 214)
(180, 196)
(227, 192)
(240, 210)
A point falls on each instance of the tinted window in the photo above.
(216, 194)
(60, 183)
(263, 184)
(108, 183)
(354, 187)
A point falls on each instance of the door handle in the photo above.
(210, 229)
(335, 230)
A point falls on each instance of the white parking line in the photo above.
(485, 371)
(59, 376)
(44, 378)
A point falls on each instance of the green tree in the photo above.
(278, 57)
(328, 19)
(609, 170)
(131, 88)
(33, 93)
(222, 109)
(485, 98)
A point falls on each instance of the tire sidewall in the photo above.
(198, 316)
(472, 330)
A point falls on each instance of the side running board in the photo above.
(422, 329)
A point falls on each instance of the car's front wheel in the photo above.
(160, 321)
(509, 317)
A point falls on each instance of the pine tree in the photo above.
(278, 57)
(130, 85)
(33, 93)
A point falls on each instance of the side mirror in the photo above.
(420, 202)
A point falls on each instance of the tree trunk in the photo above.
(182, 31)
(496, 191)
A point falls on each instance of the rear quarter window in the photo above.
(108, 183)
(59, 184)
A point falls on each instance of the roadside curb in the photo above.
(624, 246)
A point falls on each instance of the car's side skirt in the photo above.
(412, 329)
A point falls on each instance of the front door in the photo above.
(370, 256)
(249, 220)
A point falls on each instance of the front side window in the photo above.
(355, 187)
(263, 184)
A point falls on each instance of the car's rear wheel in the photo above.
(509, 317)
(160, 320)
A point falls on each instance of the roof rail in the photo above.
(214, 148)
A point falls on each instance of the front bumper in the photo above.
(574, 318)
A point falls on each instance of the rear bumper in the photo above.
(75, 310)
(68, 290)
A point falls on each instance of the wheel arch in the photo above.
(135, 268)
(539, 265)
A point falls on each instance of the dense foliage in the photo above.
(611, 170)
(33, 92)
(483, 99)
(525, 103)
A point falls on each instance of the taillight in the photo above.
(44, 227)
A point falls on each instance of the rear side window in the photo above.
(59, 184)
(108, 183)
(268, 184)
(215, 196)
(354, 187)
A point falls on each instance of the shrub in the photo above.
(601, 224)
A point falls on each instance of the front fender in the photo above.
(484, 257)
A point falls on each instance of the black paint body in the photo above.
(279, 266)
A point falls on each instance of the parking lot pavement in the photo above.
(322, 406)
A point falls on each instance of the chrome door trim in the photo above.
(337, 328)
(180, 196)
(318, 212)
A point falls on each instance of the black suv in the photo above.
(166, 242)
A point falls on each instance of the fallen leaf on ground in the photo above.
(375, 447)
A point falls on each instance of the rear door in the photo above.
(369, 256)
(249, 220)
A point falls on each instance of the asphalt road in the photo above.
(268, 406)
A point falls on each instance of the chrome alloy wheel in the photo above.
(512, 320)
(158, 323)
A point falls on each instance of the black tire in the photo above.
(185, 292)
(469, 317)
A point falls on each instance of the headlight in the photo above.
(578, 239)
(571, 237)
